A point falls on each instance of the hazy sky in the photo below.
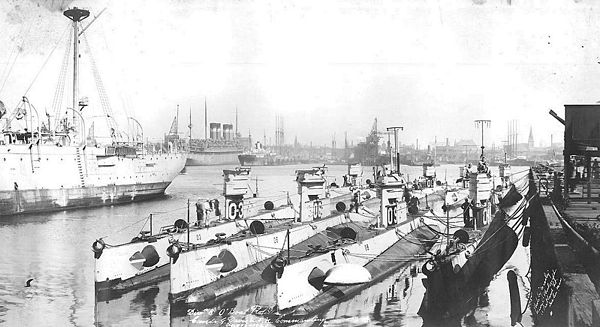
(325, 66)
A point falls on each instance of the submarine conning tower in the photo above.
(390, 189)
(235, 187)
(311, 188)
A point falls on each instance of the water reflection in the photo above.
(148, 305)
(395, 301)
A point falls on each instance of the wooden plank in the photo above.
(584, 216)
(582, 209)
(567, 259)
(576, 204)
(575, 212)
(584, 205)
(581, 294)
(583, 213)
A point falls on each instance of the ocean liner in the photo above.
(222, 148)
(55, 167)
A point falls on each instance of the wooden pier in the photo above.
(565, 273)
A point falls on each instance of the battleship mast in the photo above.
(76, 15)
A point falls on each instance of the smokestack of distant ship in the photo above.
(228, 132)
(215, 131)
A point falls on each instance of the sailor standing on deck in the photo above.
(200, 212)
(355, 201)
(216, 208)
(466, 206)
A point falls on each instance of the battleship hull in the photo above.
(212, 158)
(48, 178)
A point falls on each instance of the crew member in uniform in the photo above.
(200, 212)
(355, 202)
(466, 206)
(216, 208)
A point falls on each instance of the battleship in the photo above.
(46, 168)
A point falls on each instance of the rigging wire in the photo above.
(127, 226)
(104, 100)
(47, 58)
(18, 51)
(60, 84)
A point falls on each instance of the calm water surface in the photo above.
(55, 250)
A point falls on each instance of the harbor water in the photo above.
(54, 249)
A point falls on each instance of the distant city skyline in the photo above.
(324, 67)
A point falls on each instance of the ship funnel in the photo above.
(215, 131)
(228, 132)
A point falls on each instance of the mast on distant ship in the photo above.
(190, 125)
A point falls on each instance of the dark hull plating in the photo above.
(379, 269)
(109, 290)
(449, 294)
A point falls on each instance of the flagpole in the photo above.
(190, 125)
